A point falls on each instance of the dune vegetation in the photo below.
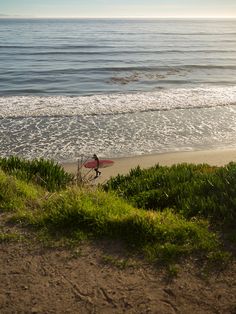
(162, 213)
(201, 191)
(45, 173)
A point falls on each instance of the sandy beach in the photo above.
(124, 165)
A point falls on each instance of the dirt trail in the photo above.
(95, 278)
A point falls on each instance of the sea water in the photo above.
(116, 87)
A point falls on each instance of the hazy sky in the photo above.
(119, 8)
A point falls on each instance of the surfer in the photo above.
(98, 173)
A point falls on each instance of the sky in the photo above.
(118, 8)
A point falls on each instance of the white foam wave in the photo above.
(36, 106)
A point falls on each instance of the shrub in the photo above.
(192, 190)
(46, 173)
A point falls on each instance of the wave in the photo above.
(54, 47)
(110, 52)
(107, 104)
(104, 69)
(197, 33)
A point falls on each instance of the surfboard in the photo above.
(103, 163)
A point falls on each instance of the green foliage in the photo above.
(46, 173)
(163, 235)
(231, 237)
(120, 263)
(173, 271)
(192, 190)
(16, 194)
(76, 213)
(220, 258)
(9, 237)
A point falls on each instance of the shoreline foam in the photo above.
(117, 103)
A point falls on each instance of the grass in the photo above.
(17, 194)
(120, 263)
(10, 237)
(173, 271)
(158, 235)
(46, 173)
(191, 190)
(176, 224)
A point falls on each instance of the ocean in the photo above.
(116, 87)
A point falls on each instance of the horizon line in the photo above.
(113, 17)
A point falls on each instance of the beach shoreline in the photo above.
(216, 157)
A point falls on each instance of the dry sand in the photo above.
(123, 165)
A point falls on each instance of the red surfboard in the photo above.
(103, 163)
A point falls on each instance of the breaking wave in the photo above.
(107, 104)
